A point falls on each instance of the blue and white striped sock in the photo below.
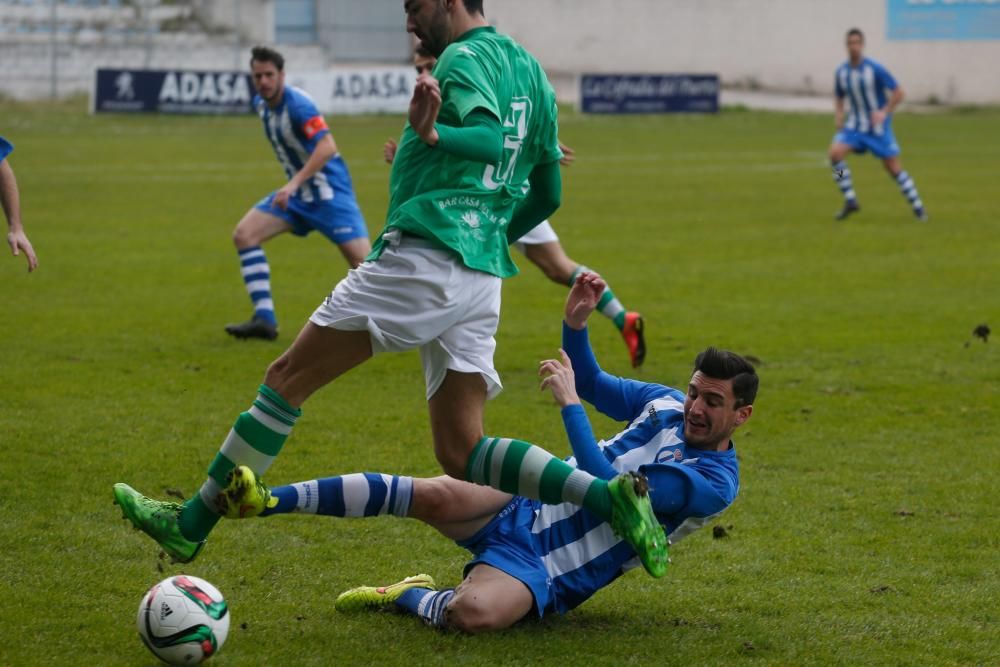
(427, 604)
(909, 190)
(355, 495)
(842, 176)
(257, 278)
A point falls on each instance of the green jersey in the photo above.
(459, 204)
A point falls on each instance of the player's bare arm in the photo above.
(11, 202)
(838, 112)
(325, 149)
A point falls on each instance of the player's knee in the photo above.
(470, 613)
(453, 461)
(432, 501)
(242, 238)
(276, 373)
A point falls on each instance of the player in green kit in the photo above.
(485, 124)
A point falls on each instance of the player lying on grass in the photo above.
(542, 248)
(529, 557)
(478, 130)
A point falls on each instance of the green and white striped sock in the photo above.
(608, 305)
(254, 441)
(523, 469)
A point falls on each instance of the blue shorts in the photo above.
(881, 145)
(507, 544)
(338, 219)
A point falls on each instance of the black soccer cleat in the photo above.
(921, 215)
(849, 207)
(253, 328)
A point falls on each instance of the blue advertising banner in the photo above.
(171, 91)
(956, 20)
(649, 93)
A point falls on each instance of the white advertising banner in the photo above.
(358, 90)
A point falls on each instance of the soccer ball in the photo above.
(183, 620)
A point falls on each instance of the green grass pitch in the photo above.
(866, 530)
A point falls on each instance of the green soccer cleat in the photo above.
(245, 496)
(379, 597)
(159, 520)
(634, 521)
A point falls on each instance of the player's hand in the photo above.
(282, 196)
(424, 107)
(569, 155)
(878, 117)
(583, 298)
(559, 379)
(19, 243)
(389, 150)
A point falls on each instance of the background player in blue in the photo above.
(529, 557)
(872, 95)
(318, 196)
(10, 200)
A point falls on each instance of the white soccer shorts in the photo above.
(542, 233)
(418, 296)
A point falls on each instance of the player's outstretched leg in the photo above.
(355, 495)
(416, 589)
(629, 323)
(842, 177)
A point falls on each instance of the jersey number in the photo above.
(499, 174)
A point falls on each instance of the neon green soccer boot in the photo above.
(634, 521)
(379, 597)
(159, 520)
(245, 496)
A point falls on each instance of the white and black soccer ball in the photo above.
(183, 620)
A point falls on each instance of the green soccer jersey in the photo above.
(464, 205)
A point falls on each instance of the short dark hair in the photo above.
(725, 365)
(422, 51)
(855, 31)
(473, 6)
(263, 54)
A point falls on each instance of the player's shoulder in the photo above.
(875, 65)
(298, 98)
(663, 404)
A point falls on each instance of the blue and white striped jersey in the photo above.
(866, 88)
(6, 148)
(689, 487)
(294, 129)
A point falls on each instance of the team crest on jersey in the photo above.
(472, 219)
(668, 454)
